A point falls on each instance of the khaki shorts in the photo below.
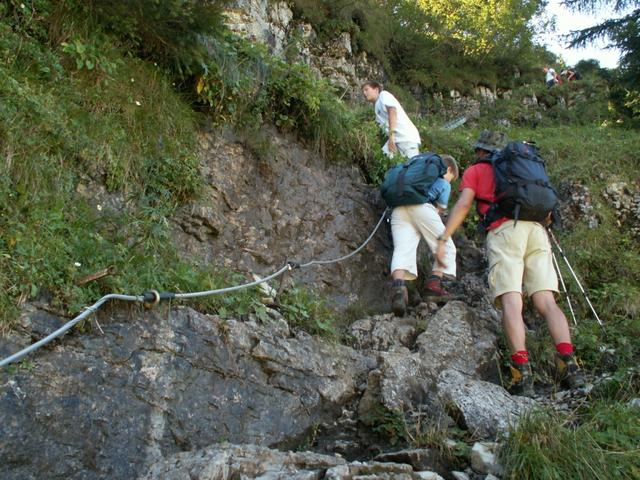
(518, 256)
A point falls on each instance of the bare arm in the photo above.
(393, 123)
(456, 217)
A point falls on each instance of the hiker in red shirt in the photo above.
(519, 254)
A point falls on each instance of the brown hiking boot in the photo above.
(434, 287)
(521, 380)
(569, 372)
(399, 300)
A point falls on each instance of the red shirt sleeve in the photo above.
(470, 179)
(479, 178)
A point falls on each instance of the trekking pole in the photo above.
(564, 287)
(566, 260)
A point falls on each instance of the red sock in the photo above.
(520, 357)
(564, 348)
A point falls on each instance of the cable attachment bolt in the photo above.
(293, 265)
(150, 299)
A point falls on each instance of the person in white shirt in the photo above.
(403, 134)
(550, 76)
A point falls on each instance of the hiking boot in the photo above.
(569, 372)
(521, 380)
(434, 287)
(399, 300)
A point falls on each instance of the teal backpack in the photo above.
(408, 183)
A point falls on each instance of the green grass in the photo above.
(124, 127)
(84, 111)
(601, 443)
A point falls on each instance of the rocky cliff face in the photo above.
(257, 213)
(172, 393)
(273, 24)
(159, 392)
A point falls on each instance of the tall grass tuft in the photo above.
(548, 446)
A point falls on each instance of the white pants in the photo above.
(406, 149)
(408, 224)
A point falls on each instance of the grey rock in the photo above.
(373, 468)
(227, 462)
(40, 323)
(481, 407)
(634, 403)
(453, 340)
(460, 476)
(427, 476)
(483, 457)
(485, 94)
(625, 199)
(168, 381)
(577, 205)
(256, 213)
(456, 337)
(421, 459)
(337, 473)
(383, 332)
(272, 24)
(400, 381)
(261, 21)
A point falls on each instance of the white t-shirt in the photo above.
(406, 131)
(551, 75)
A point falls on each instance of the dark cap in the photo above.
(491, 141)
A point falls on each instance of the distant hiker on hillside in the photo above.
(519, 252)
(570, 75)
(409, 223)
(403, 134)
(550, 76)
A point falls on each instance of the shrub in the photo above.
(171, 32)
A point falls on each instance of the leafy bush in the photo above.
(171, 32)
(303, 309)
(434, 44)
(245, 86)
